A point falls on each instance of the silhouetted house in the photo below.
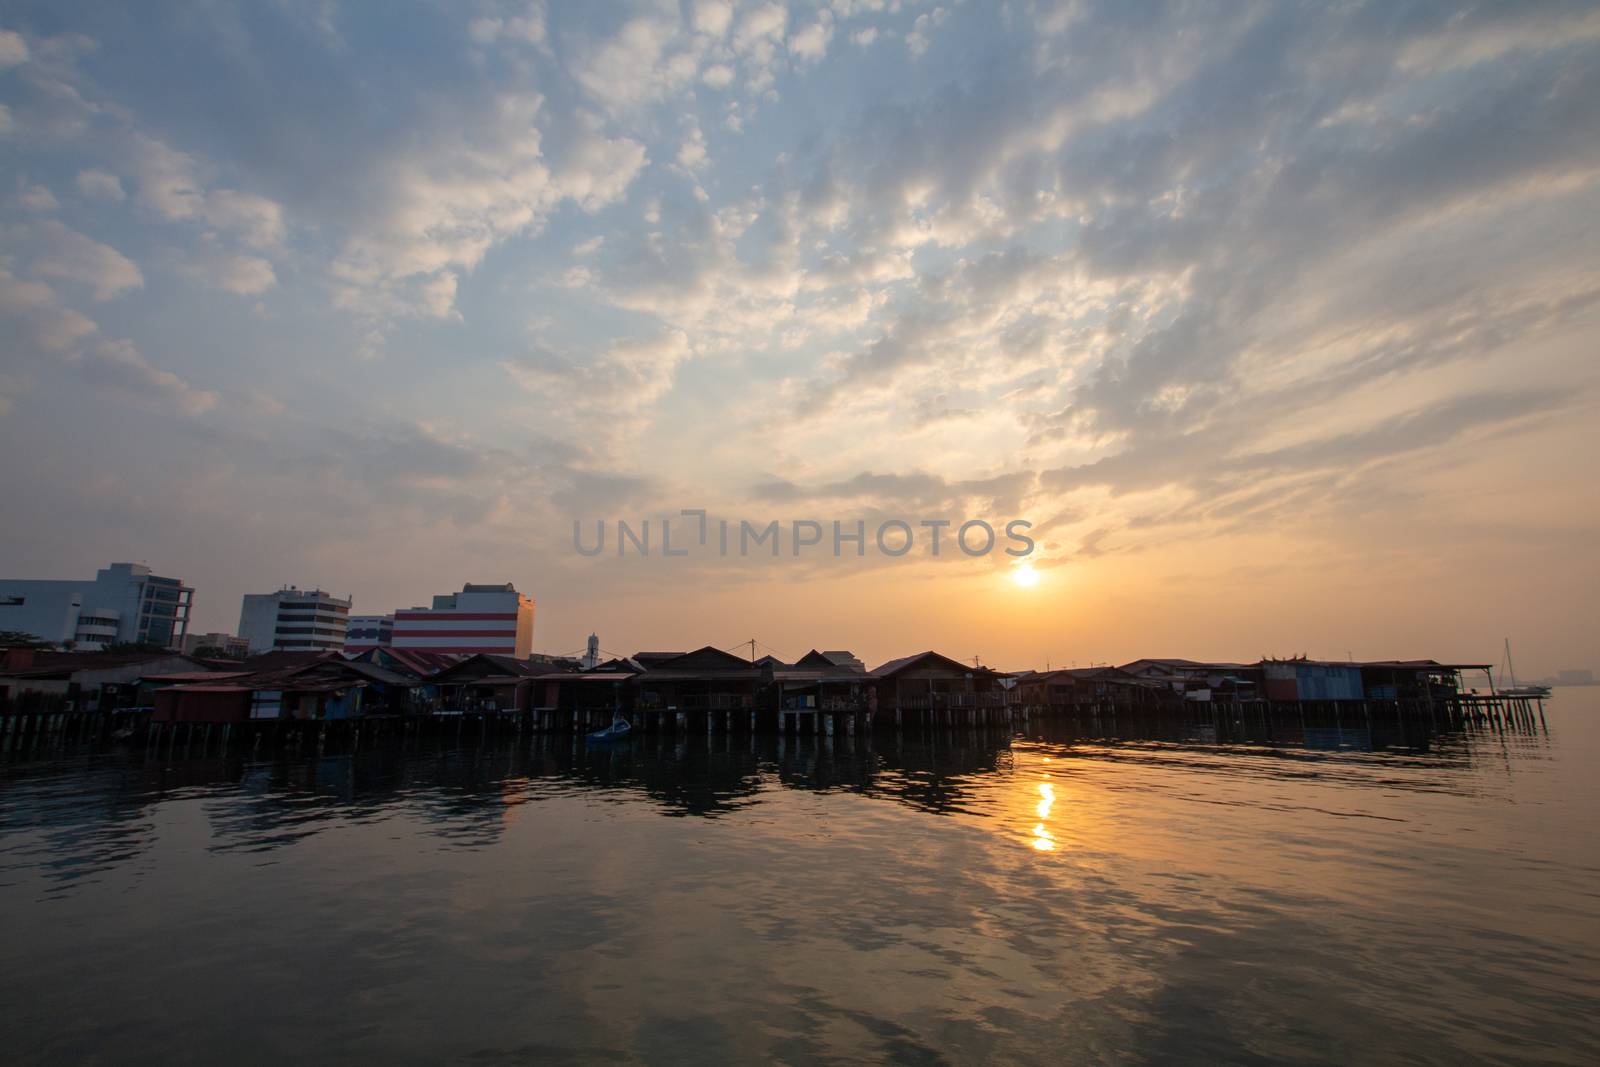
(831, 682)
(36, 679)
(600, 692)
(1289, 680)
(928, 687)
(418, 665)
(1198, 680)
(319, 688)
(1415, 679)
(1099, 686)
(416, 662)
(647, 660)
(486, 682)
(838, 658)
(706, 681)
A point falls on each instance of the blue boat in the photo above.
(618, 729)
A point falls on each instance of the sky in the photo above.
(1275, 321)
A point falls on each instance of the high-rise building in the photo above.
(294, 620)
(480, 618)
(124, 603)
(369, 632)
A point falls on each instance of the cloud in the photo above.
(37, 198)
(642, 61)
(918, 40)
(522, 24)
(920, 491)
(99, 184)
(119, 367)
(438, 212)
(36, 316)
(42, 327)
(13, 49)
(627, 377)
(241, 275)
(810, 44)
(254, 219)
(168, 181)
(692, 154)
(66, 254)
(713, 16)
(760, 25)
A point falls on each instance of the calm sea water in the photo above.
(1331, 897)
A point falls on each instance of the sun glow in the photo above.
(1025, 576)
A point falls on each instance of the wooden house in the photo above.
(931, 689)
(830, 684)
(323, 688)
(693, 686)
(591, 697)
(1200, 680)
(486, 683)
(1416, 679)
(41, 680)
(1098, 687)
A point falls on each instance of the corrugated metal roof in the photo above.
(193, 676)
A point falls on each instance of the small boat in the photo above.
(1530, 689)
(618, 729)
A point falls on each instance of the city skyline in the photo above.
(1274, 323)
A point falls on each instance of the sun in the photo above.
(1025, 576)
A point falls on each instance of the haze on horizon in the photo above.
(1277, 321)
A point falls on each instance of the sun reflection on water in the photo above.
(1043, 840)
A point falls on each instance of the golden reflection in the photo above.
(1043, 840)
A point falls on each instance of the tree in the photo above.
(136, 646)
(215, 652)
(18, 639)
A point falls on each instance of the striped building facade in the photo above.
(480, 618)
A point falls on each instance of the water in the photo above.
(1380, 897)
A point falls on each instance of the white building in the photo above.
(294, 620)
(480, 618)
(369, 632)
(124, 603)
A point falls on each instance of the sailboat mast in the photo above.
(1512, 667)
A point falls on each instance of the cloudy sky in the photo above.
(1277, 321)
